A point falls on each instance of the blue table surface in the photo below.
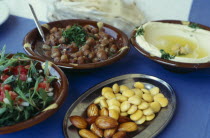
(192, 116)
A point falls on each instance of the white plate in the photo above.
(4, 12)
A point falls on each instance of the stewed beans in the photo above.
(80, 44)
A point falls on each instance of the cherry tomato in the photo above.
(27, 67)
(4, 77)
(1, 96)
(18, 101)
(19, 70)
(44, 85)
(6, 87)
(13, 95)
(8, 69)
(23, 77)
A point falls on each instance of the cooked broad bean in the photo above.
(87, 43)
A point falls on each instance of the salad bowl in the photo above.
(50, 92)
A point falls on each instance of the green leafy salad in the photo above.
(25, 88)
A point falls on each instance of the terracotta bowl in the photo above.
(32, 43)
(168, 64)
(60, 93)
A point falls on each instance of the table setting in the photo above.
(94, 69)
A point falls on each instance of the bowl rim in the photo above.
(44, 114)
(109, 61)
(165, 61)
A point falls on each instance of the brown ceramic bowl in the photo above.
(168, 64)
(34, 40)
(60, 93)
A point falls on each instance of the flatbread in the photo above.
(123, 14)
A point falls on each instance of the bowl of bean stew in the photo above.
(78, 44)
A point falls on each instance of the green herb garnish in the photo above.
(75, 34)
(165, 55)
(140, 31)
(194, 26)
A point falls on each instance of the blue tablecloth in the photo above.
(192, 116)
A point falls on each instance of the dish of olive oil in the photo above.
(167, 42)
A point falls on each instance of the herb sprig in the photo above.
(139, 31)
(165, 55)
(194, 26)
(75, 34)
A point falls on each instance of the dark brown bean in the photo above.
(87, 28)
(101, 54)
(80, 60)
(64, 58)
(113, 49)
(86, 52)
(48, 53)
(103, 35)
(72, 49)
(46, 47)
(79, 54)
(104, 42)
(58, 34)
(52, 37)
(94, 30)
(111, 40)
(54, 29)
(85, 47)
(57, 59)
(96, 37)
(47, 42)
(68, 26)
(74, 60)
(55, 52)
(91, 55)
(90, 41)
(73, 55)
(87, 60)
(61, 40)
(63, 46)
(53, 40)
(106, 49)
(94, 60)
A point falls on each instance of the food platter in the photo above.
(147, 130)
(33, 43)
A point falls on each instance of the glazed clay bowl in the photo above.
(33, 42)
(60, 87)
(174, 66)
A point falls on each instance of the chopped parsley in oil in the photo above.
(140, 31)
(194, 26)
(75, 34)
(165, 55)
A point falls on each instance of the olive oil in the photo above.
(168, 42)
